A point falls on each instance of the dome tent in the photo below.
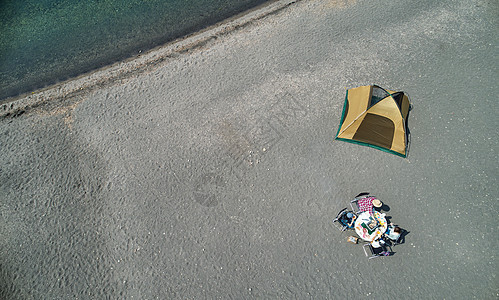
(377, 118)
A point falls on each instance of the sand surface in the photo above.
(212, 172)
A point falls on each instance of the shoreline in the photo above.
(108, 75)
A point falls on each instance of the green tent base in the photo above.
(372, 146)
(342, 114)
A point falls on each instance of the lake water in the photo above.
(46, 41)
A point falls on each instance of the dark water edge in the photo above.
(43, 42)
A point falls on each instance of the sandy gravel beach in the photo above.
(208, 168)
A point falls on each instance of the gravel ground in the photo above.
(213, 172)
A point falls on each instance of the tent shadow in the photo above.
(408, 131)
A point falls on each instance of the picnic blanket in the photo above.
(366, 204)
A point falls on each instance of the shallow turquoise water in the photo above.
(45, 41)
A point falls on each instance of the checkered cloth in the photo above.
(366, 204)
